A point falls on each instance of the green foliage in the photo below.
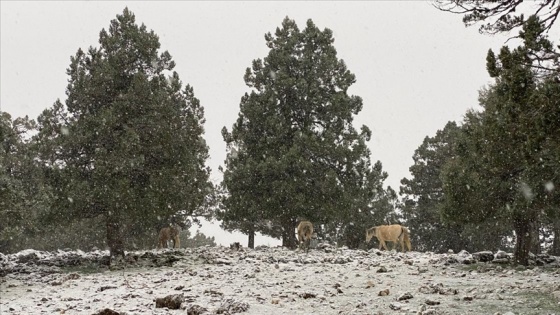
(198, 240)
(22, 193)
(507, 158)
(293, 152)
(423, 197)
(508, 15)
(127, 144)
(501, 16)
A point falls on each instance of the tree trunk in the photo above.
(114, 240)
(284, 237)
(251, 241)
(522, 241)
(288, 234)
(555, 250)
(535, 240)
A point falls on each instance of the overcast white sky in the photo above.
(416, 67)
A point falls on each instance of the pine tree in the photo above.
(293, 153)
(22, 193)
(423, 196)
(128, 143)
(510, 153)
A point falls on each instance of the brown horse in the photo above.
(305, 232)
(170, 233)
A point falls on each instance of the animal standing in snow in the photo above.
(236, 246)
(392, 233)
(170, 233)
(304, 233)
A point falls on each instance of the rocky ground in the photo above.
(327, 280)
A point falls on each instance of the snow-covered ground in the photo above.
(329, 280)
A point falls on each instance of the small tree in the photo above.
(198, 240)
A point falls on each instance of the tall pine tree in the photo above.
(128, 143)
(293, 153)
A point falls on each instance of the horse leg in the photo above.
(384, 245)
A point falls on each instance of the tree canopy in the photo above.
(127, 145)
(293, 152)
(508, 155)
(501, 16)
(509, 15)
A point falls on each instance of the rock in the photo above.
(437, 289)
(107, 311)
(452, 260)
(500, 254)
(196, 310)
(326, 247)
(72, 276)
(381, 269)
(501, 261)
(223, 261)
(26, 258)
(395, 306)
(342, 260)
(172, 302)
(431, 302)
(106, 287)
(547, 259)
(213, 292)
(383, 292)
(484, 256)
(556, 295)
(231, 306)
(404, 296)
(307, 295)
(468, 261)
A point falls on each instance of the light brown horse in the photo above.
(305, 232)
(392, 233)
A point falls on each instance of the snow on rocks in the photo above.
(223, 280)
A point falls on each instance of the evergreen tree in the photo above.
(508, 15)
(501, 16)
(293, 153)
(198, 240)
(127, 145)
(509, 155)
(11, 193)
(423, 197)
(422, 194)
(22, 193)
